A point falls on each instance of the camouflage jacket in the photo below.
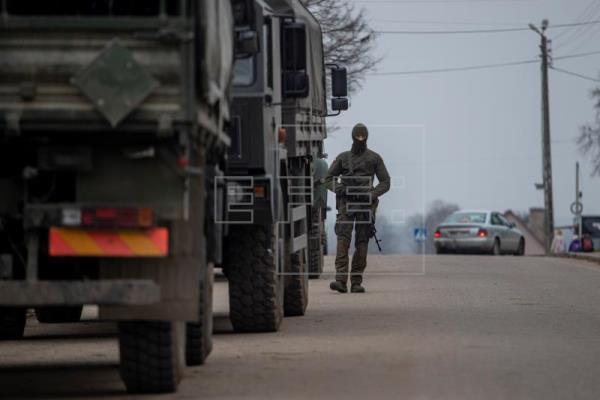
(355, 173)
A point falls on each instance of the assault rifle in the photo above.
(377, 240)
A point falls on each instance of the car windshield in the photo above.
(466, 218)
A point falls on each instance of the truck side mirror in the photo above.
(339, 104)
(339, 82)
(294, 76)
(339, 89)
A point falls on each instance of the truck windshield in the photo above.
(126, 8)
(243, 72)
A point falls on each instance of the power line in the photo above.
(589, 53)
(477, 67)
(564, 71)
(451, 32)
(455, 69)
(439, 1)
(581, 18)
(498, 30)
(440, 22)
(581, 34)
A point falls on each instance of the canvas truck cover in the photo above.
(216, 44)
(50, 76)
(314, 57)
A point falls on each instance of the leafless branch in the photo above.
(589, 137)
(348, 39)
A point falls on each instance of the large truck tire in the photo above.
(151, 355)
(58, 315)
(296, 287)
(12, 323)
(198, 341)
(255, 285)
(315, 245)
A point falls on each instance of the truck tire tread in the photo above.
(148, 356)
(296, 288)
(315, 250)
(198, 341)
(254, 285)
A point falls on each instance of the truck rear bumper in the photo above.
(106, 292)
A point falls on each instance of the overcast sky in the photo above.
(474, 137)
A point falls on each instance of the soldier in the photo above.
(351, 178)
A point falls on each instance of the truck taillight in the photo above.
(260, 191)
(437, 234)
(117, 217)
(482, 233)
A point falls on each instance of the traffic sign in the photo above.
(420, 234)
(576, 207)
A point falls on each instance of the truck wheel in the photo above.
(12, 323)
(58, 315)
(198, 340)
(296, 287)
(315, 243)
(255, 285)
(151, 355)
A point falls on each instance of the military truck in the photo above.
(113, 126)
(277, 132)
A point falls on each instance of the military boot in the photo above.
(357, 288)
(339, 286)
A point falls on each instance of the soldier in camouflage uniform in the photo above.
(351, 178)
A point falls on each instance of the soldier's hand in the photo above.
(340, 190)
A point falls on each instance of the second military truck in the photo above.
(277, 131)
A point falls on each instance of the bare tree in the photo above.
(436, 213)
(589, 137)
(348, 39)
(398, 237)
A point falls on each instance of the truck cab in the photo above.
(277, 132)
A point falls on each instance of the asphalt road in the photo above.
(467, 328)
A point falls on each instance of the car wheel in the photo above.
(521, 248)
(496, 248)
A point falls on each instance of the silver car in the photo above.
(478, 231)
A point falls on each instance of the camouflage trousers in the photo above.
(344, 225)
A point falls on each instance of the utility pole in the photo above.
(546, 152)
(577, 207)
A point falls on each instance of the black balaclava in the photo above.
(360, 134)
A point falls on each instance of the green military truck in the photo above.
(113, 126)
(273, 220)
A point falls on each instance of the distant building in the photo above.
(534, 244)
